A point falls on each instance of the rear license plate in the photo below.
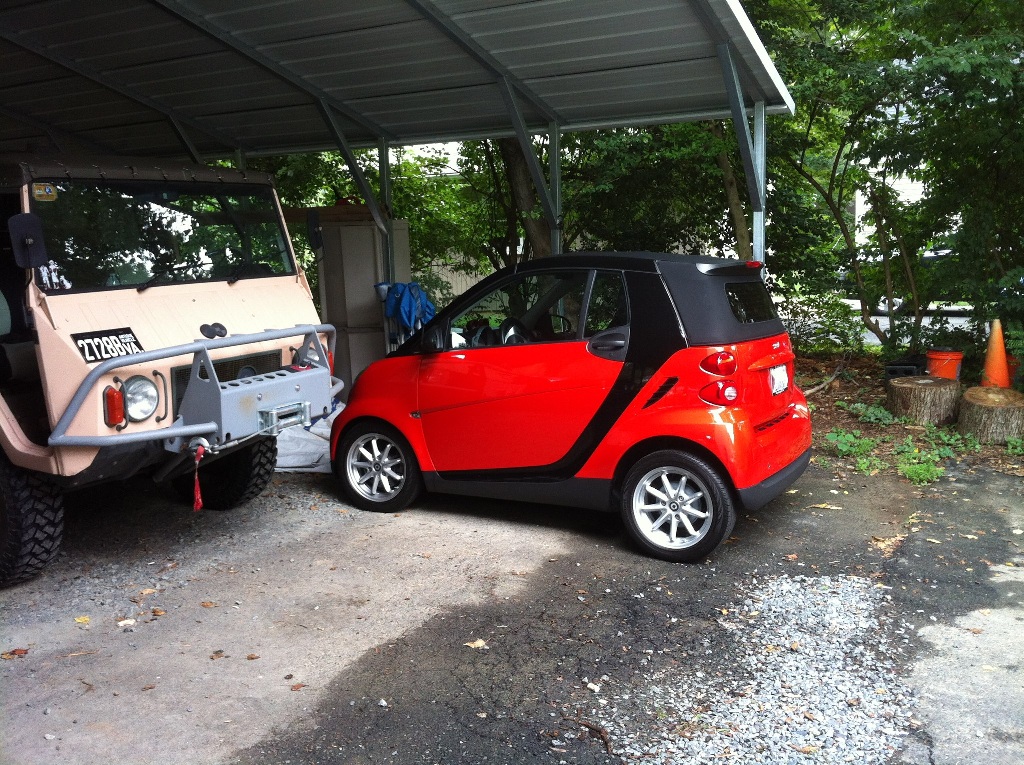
(779, 378)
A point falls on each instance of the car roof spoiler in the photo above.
(731, 268)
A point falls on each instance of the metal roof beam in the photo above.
(457, 35)
(753, 173)
(229, 40)
(54, 133)
(719, 36)
(546, 203)
(357, 172)
(17, 38)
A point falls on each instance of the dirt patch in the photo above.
(861, 381)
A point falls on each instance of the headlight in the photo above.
(140, 398)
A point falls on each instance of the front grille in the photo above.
(227, 370)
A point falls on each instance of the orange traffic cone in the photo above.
(996, 373)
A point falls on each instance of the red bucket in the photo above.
(944, 362)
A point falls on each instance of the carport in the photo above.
(210, 79)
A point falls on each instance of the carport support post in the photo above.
(555, 173)
(761, 168)
(384, 166)
(752, 150)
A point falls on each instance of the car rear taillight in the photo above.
(720, 393)
(723, 363)
(113, 406)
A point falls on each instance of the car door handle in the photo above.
(608, 343)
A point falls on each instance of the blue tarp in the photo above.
(409, 305)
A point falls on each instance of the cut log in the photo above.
(923, 399)
(992, 415)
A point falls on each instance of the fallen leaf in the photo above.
(147, 591)
(218, 655)
(969, 536)
(478, 643)
(148, 687)
(824, 506)
(298, 686)
(791, 556)
(14, 653)
(252, 657)
(975, 630)
(855, 702)
(208, 604)
(126, 623)
(82, 619)
(809, 716)
(158, 612)
(794, 646)
(934, 541)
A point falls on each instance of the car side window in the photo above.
(531, 308)
(608, 305)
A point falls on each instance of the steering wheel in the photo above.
(566, 329)
(512, 332)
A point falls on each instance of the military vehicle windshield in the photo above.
(118, 234)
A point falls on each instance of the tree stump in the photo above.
(923, 399)
(992, 415)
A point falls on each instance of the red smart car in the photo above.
(657, 385)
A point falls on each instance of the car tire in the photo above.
(377, 468)
(233, 479)
(31, 523)
(676, 507)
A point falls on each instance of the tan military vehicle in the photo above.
(153, 320)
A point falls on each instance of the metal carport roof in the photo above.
(212, 78)
(136, 76)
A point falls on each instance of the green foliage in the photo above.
(870, 413)
(821, 323)
(919, 466)
(850, 443)
(1015, 446)
(949, 443)
(926, 90)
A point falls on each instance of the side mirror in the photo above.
(434, 339)
(27, 240)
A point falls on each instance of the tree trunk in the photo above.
(538, 234)
(992, 415)
(737, 211)
(923, 400)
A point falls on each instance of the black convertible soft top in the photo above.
(704, 290)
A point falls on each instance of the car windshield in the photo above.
(109, 235)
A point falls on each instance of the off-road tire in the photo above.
(31, 523)
(234, 479)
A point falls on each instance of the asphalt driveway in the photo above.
(299, 630)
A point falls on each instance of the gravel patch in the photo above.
(806, 673)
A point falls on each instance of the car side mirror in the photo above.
(434, 339)
(27, 240)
